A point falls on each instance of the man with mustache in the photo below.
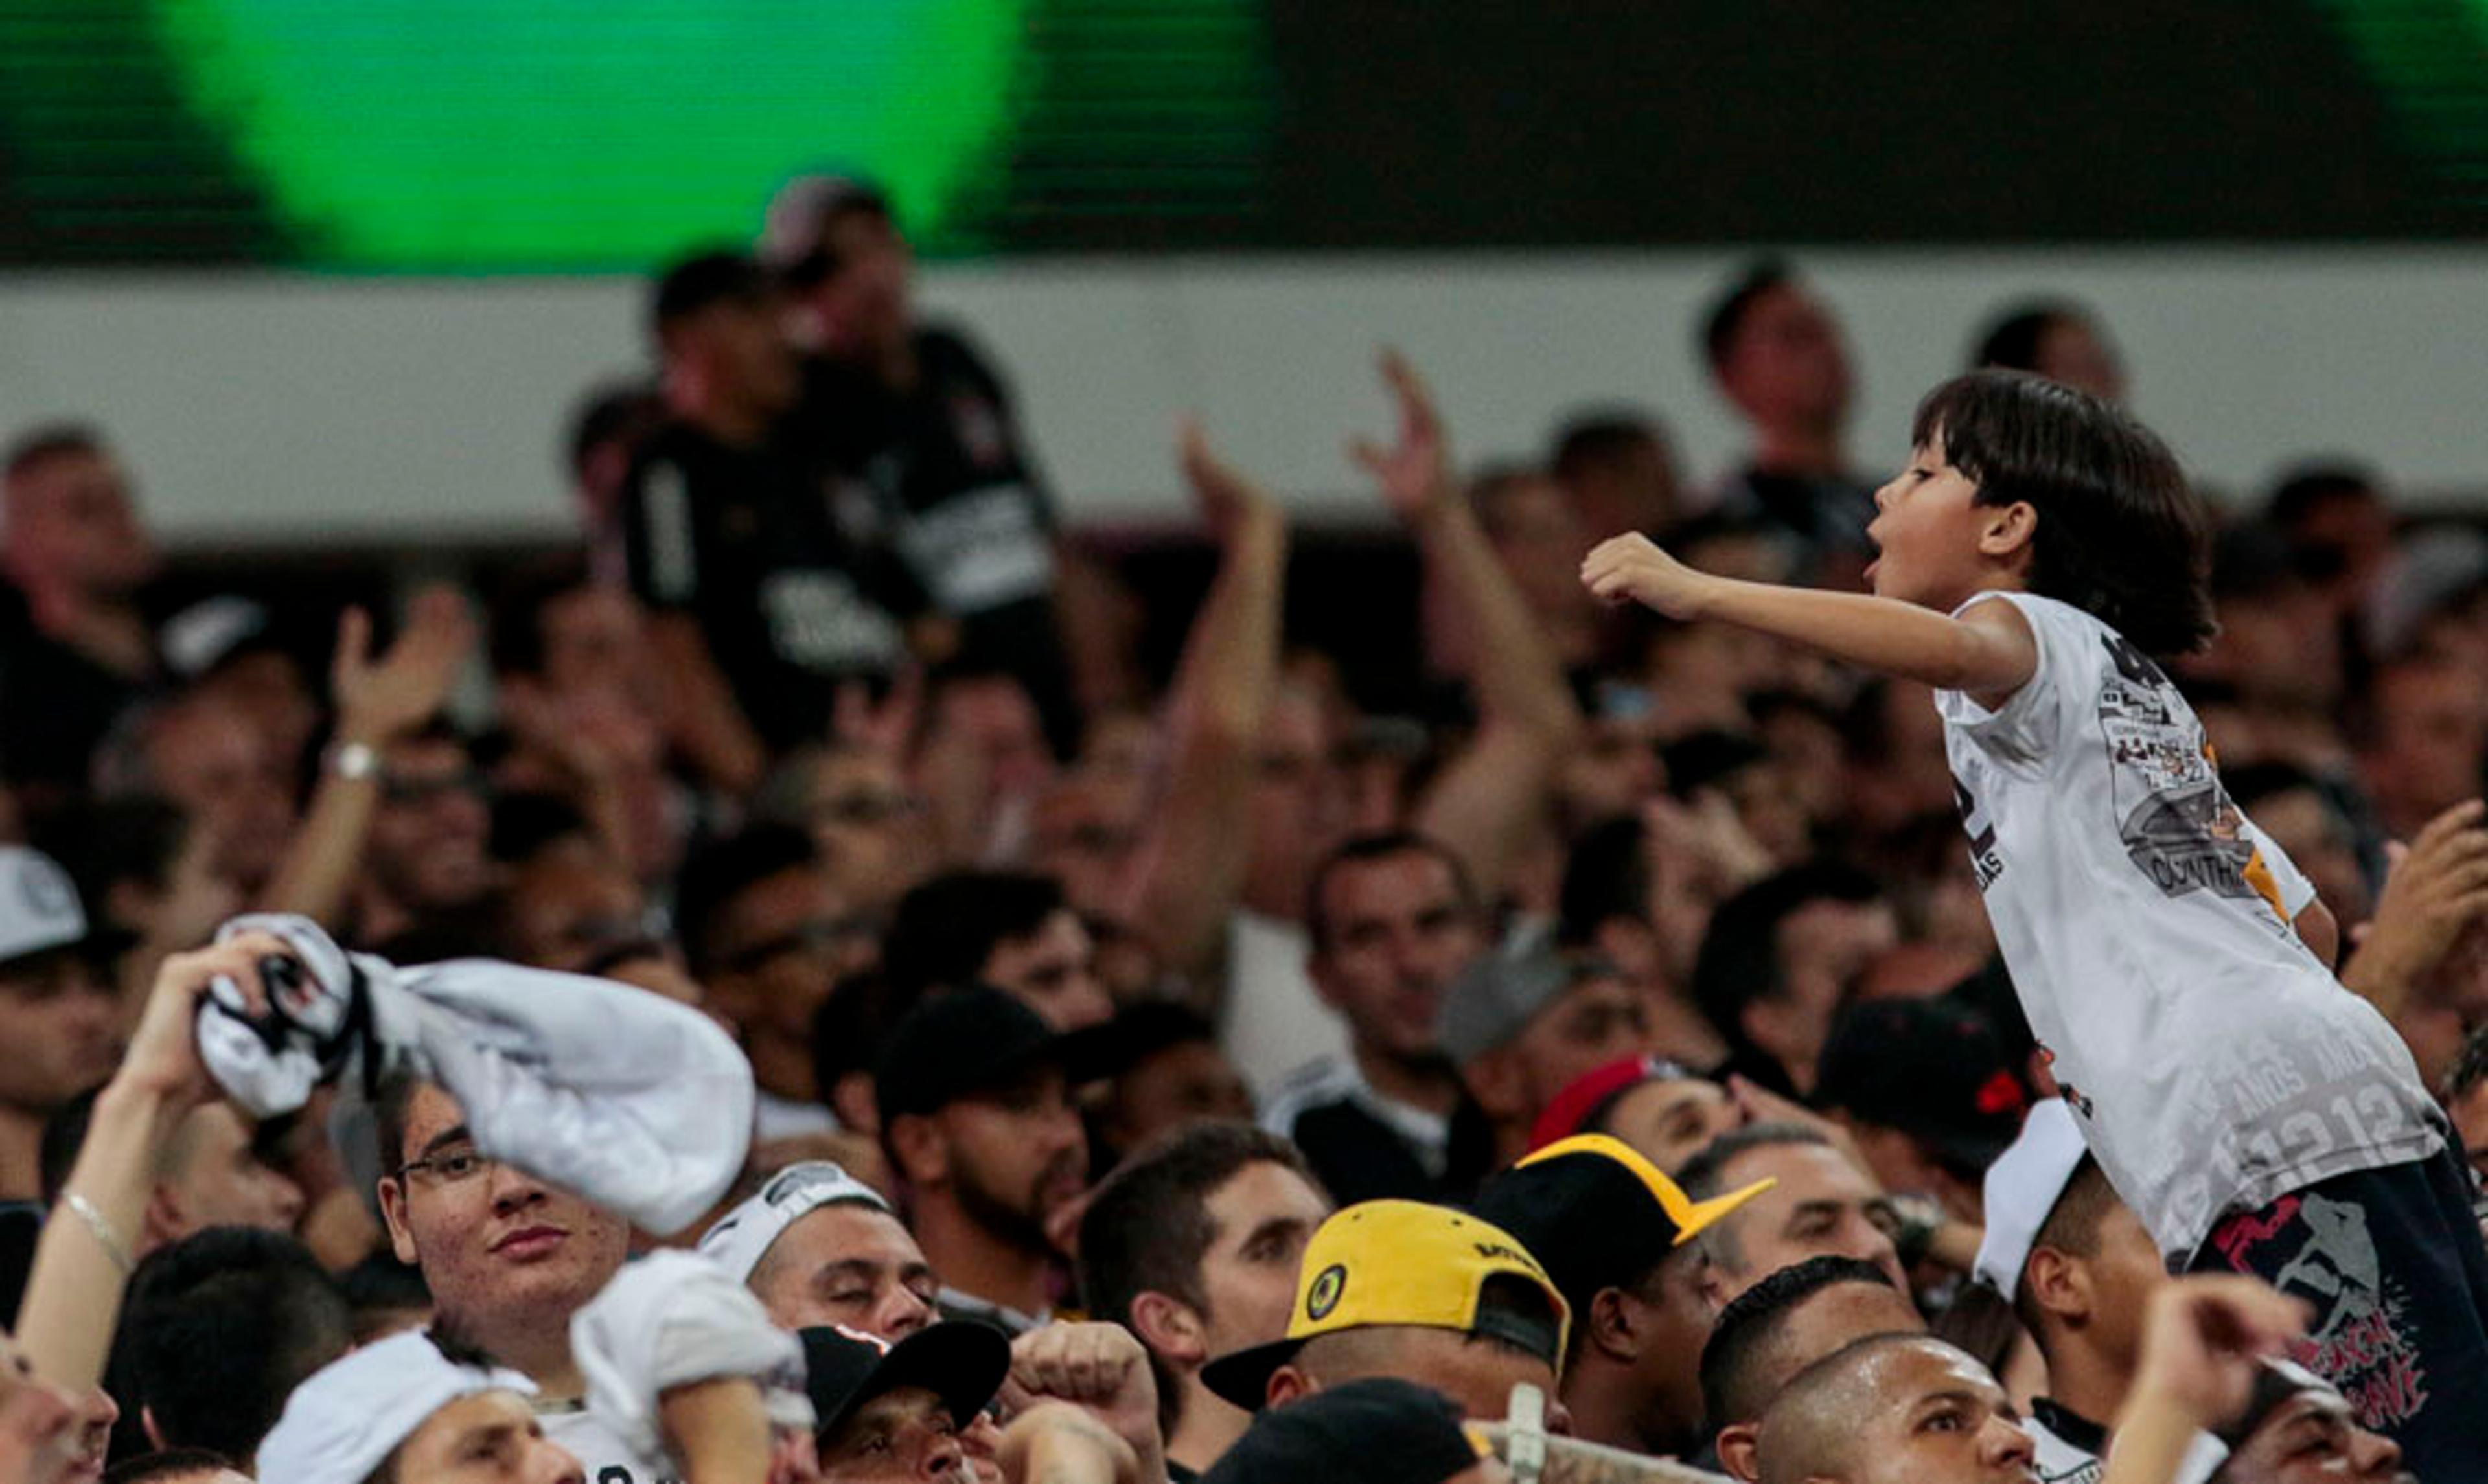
(978, 1121)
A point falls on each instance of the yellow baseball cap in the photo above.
(1398, 1262)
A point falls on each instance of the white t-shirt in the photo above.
(1274, 1022)
(2213, 1063)
(604, 1458)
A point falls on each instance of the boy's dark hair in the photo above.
(219, 1329)
(2011, 340)
(2072, 1228)
(2120, 534)
(723, 870)
(168, 1464)
(1727, 313)
(1749, 1329)
(1147, 1228)
(1738, 962)
(1364, 849)
(2310, 487)
(944, 928)
(40, 445)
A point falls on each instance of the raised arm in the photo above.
(377, 702)
(1189, 868)
(82, 1260)
(1988, 652)
(1485, 800)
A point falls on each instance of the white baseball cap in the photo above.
(2023, 1187)
(743, 1236)
(38, 905)
(340, 1425)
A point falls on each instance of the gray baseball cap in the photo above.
(1499, 992)
(39, 906)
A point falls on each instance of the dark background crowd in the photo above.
(1375, 860)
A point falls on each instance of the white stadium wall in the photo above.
(259, 408)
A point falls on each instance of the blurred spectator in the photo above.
(1619, 468)
(2422, 736)
(1775, 962)
(76, 647)
(1539, 538)
(580, 694)
(215, 1169)
(765, 593)
(1925, 1089)
(1164, 1070)
(202, 754)
(1774, 1329)
(385, 1296)
(864, 814)
(1523, 1022)
(1776, 354)
(2339, 528)
(922, 431)
(1652, 1106)
(1618, 1238)
(1822, 1205)
(977, 1117)
(569, 905)
(1393, 921)
(2465, 1101)
(229, 650)
(2306, 818)
(2053, 338)
(1194, 1246)
(1009, 930)
(602, 441)
(60, 1015)
(768, 937)
(424, 861)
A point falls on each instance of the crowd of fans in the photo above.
(1218, 1082)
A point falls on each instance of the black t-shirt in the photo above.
(944, 467)
(56, 705)
(792, 594)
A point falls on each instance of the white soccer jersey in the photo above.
(2213, 1062)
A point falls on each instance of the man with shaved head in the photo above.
(1906, 1408)
(1774, 1329)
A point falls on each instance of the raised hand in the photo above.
(1414, 474)
(382, 699)
(1097, 1367)
(1229, 498)
(2202, 1338)
(1632, 569)
(2438, 886)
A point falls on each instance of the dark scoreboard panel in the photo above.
(484, 136)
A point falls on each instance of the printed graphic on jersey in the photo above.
(2177, 821)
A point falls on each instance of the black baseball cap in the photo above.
(1933, 1068)
(1597, 1213)
(1379, 1431)
(963, 1042)
(959, 1361)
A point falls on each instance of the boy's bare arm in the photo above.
(1988, 652)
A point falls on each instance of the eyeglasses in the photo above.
(453, 1166)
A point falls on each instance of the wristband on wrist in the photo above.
(354, 761)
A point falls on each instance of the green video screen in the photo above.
(488, 136)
